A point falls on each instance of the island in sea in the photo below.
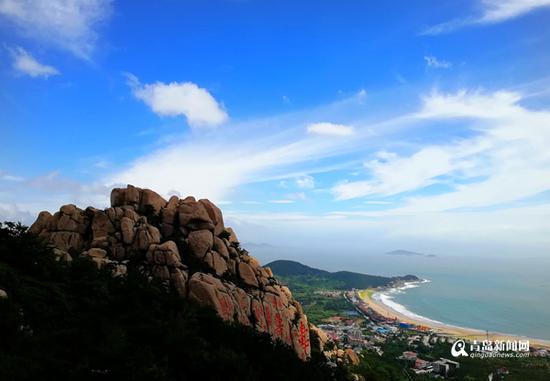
(408, 253)
(349, 309)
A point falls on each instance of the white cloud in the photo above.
(493, 11)
(212, 169)
(447, 27)
(270, 149)
(24, 63)
(465, 104)
(501, 10)
(393, 174)
(307, 182)
(9, 177)
(398, 174)
(13, 213)
(300, 196)
(23, 198)
(506, 159)
(331, 129)
(180, 98)
(501, 157)
(432, 61)
(102, 164)
(70, 25)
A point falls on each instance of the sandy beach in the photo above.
(444, 329)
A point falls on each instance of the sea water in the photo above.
(504, 295)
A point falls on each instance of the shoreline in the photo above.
(440, 328)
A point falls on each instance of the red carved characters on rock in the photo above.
(278, 325)
(258, 314)
(226, 307)
(268, 315)
(304, 337)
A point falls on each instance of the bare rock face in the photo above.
(215, 215)
(41, 222)
(247, 275)
(184, 243)
(145, 236)
(152, 200)
(193, 215)
(318, 337)
(351, 356)
(200, 242)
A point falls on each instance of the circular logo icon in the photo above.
(459, 349)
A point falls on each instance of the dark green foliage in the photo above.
(361, 281)
(346, 280)
(318, 307)
(284, 267)
(72, 321)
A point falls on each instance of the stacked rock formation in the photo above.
(184, 243)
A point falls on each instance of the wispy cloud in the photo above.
(492, 11)
(505, 160)
(217, 169)
(9, 177)
(69, 25)
(331, 129)
(307, 182)
(180, 98)
(393, 174)
(433, 62)
(266, 149)
(26, 64)
(298, 196)
(499, 160)
(23, 197)
(501, 10)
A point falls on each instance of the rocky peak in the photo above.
(184, 243)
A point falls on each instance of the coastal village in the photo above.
(362, 328)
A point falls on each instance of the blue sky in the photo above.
(337, 125)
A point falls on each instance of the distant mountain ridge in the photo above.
(408, 253)
(347, 279)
